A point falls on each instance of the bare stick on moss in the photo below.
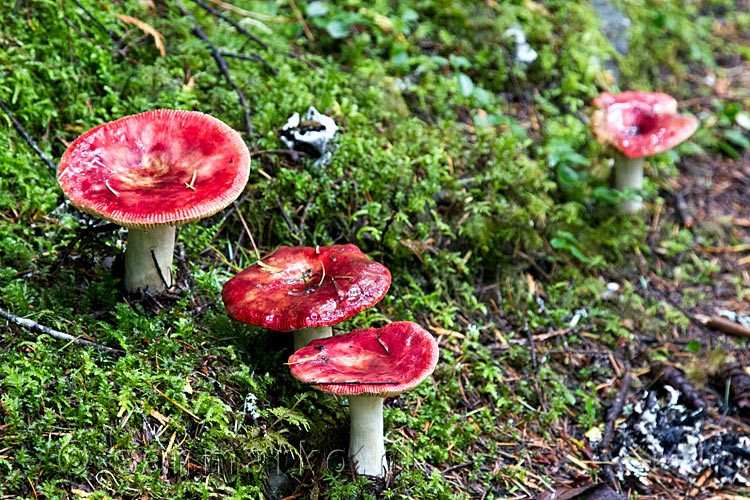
(222, 64)
(254, 58)
(27, 137)
(36, 327)
(231, 21)
(111, 33)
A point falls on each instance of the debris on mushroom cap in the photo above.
(376, 361)
(160, 167)
(640, 123)
(303, 287)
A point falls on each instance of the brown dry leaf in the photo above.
(158, 416)
(146, 28)
(189, 85)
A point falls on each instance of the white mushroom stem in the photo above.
(366, 446)
(629, 175)
(304, 336)
(148, 259)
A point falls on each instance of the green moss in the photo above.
(469, 175)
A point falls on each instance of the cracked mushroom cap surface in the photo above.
(303, 287)
(640, 123)
(375, 361)
(162, 167)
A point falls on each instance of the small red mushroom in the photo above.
(151, 172)
(638, 124)
(368, 366)
(306, 290)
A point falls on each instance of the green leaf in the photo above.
(743, 119)
(737, 138)
(459, 62)
(317, 9)
(567, 176)
(558, 243)
(693, 346)
(465, 85)
(337, 29)
(728, 149)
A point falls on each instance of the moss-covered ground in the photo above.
(473, 177)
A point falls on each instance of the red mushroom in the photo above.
(151, 172)
(306, 290)
(367, 366)
(638, 124)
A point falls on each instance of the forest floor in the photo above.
(462, 164)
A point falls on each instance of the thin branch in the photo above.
(725, 325)
(302, 224)
(231, 21)
(110, 33)
(36, 327)
(288, 219)
(255, 58)
(222, 64)
(115, 50)
(28, 138)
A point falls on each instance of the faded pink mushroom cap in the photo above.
(162, 167)
(376, 361)
(303, 287)
(640, 123)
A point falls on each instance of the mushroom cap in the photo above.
(303, 287)
(376, 361)
(640, 123)
(162, 167)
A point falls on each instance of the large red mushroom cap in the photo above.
(303, 287)
(376, 361)
(640, 123)
(162, 167)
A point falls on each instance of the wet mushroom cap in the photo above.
(301, 287)
(640, 123)
(162, 167)
(376, 361)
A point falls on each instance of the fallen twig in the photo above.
(255, 58)
(301, 20)
(302, 219)
(115, 50)
(28, 138)
(36, 327)
(178, 405)
(231, 21)
(725, 325)
(110, 33)
(609, 427)
(222, 64)
(730, 249)
(288, 219)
